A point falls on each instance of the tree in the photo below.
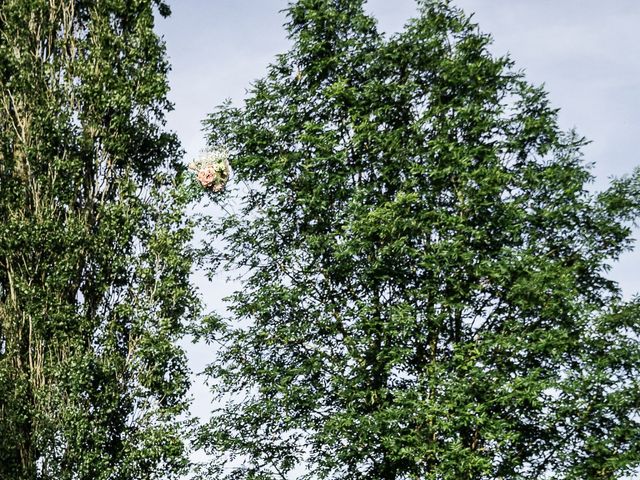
(94, 276)
(424, 286)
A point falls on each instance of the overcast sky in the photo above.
(586, 52)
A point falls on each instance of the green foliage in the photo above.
(424, 291)
(94, 256)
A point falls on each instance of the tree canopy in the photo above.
(424, 291)
(94, 245)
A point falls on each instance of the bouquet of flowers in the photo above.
(212, 169)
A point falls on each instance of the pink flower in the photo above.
(207, 176)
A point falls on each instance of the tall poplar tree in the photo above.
(424, 286)
(94, 257)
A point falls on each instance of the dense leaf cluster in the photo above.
(94, 257)
(424, 286)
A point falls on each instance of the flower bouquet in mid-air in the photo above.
(212, 169)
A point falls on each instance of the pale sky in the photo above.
(586, 52)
